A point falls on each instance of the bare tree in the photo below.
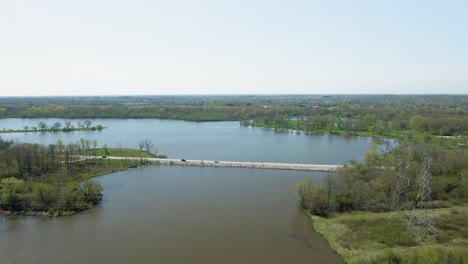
(88, 144)
(141, 145)
(57, 125)
(42, 126)
(82, 143)
(68, 124)
(60, 145)
(88, 123)
(148, 146)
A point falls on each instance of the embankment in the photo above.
(230, 164)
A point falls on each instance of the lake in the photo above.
(163, 214)
(204, 140)
(177, 215)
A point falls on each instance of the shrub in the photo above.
(425, 256)
(312, 198)
(388, 257)
(382, 230)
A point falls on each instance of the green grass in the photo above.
(94, 168)
(119, 152)
(378, 230)
(362, 237)
(423, 256)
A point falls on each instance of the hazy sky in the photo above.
(100, 47)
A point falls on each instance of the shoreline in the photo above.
(8, 213)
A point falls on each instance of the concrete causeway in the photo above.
(229, 164)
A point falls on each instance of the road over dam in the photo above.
(229, 164)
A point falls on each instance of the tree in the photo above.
(83, 143)
(90, 191)
(88, 123)
(148, 146)
(42, 126)
(419, 123)
(11, 189)
(426, 137)
(68, 124)
(312, 198)
(57, 125)
(60, 145)
(105, 149)
(141, 145)
(43, 196)
(372, 156)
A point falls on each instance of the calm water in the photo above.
(177, 215)
(206, 140)
(159, 214)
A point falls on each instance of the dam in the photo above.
(227, 164)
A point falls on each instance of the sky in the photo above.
(139, 47)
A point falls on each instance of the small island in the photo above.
(56, 127)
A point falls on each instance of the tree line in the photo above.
(67, 126)
(370, 185)
(444, 115)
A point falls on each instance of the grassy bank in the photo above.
(119, 152)
(363, 237)
(94, 168)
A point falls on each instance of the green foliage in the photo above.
(11, 190)
(370, 186)
(347, 114)
(382, 230)
(118, 152)
(312, 198)
(452, 226)
(364, 237)
(435, 256)
(388, 257)
(44, 196)
(424, 256)
(50, 179)
(90, 191)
